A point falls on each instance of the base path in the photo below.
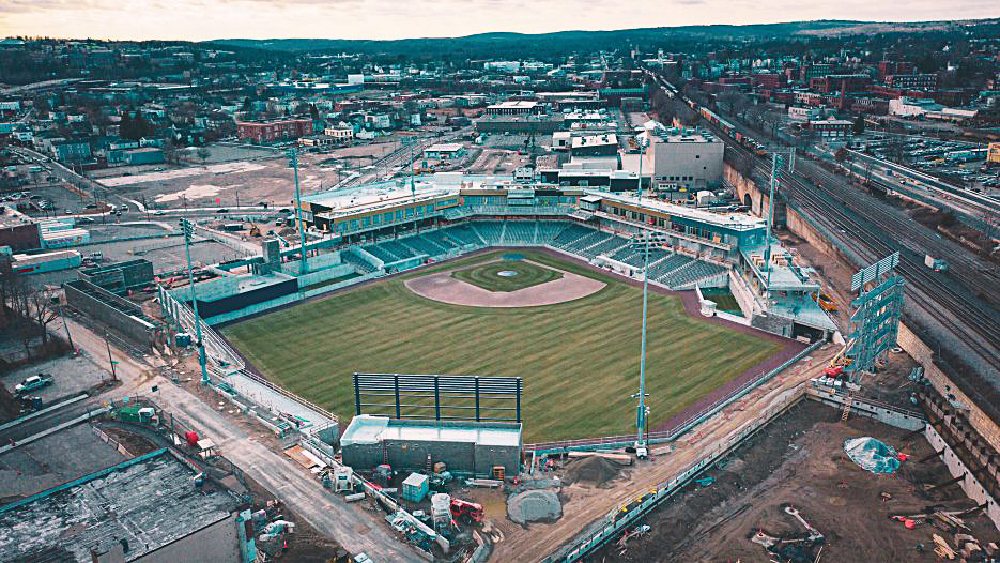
(446, 289)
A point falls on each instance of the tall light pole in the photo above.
(641, 410)
(293, 154)
(777, 161)
(188, 230)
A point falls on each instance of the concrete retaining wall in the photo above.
(907, 420)
(920, 352)
(972, 487)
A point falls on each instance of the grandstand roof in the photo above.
(735, 221)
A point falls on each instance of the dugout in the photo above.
(472, 448)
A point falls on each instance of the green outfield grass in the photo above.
(487, 276)
(579, 360)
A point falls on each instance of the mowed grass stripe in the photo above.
(579, 360)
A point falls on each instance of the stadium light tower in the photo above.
(293, 155)
(188, 230)
(642, 411)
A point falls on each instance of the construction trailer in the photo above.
(468, 448)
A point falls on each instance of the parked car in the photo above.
(32, 383)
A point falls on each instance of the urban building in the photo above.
(444, 151)
(829, 128)
(154, 511)
(682, 159)
(274, 130)
(514, 108)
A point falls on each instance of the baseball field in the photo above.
(579, 359)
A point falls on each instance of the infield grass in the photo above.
(488, 276)
(579, 360)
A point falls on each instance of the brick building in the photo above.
(275, 130)
(840, 83)
(924, 81)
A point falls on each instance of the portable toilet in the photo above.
(342, 479)
(415, 487)
(441, 511)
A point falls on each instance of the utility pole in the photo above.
(777, 161)
(188, 229)
(114, 374)
(69, 337)
(293, 154)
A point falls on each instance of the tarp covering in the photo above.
(872, 455)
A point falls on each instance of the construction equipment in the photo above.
(824, 301)
(382, 475)
(254, 230)
(792, 549)
(465, 510)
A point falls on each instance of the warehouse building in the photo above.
(149, 509)
(682, 159)
(473, 448)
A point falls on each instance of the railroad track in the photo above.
(876, 232)
(874, 239)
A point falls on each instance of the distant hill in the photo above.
(513, 43)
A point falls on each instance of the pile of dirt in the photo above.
(592, 470)
(533, 506)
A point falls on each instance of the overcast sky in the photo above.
(393, 19)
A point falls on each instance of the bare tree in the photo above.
(43, 310)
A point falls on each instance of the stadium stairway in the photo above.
(547, 232)
(519, 233)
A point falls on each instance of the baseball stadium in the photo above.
(541, 285)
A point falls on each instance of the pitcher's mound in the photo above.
(445, 288)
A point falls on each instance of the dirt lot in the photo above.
(266, 178)
(799, 460)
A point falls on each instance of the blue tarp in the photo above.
(872, 455)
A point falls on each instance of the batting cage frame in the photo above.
(438, 397)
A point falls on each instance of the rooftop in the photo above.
(10, 217)
(736, 221)
(514, 105)
(369, 429)
(149, 501)
(594, 141)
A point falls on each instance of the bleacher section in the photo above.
(397, 249)
(464, 234)
(362, 266)
(420, 244)
(489, 231)
(441, 239)
(696, 271)
(633, 256)
(606, 246)
(661, 269)
(548, 231)
(380, 253)
(519, 232)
